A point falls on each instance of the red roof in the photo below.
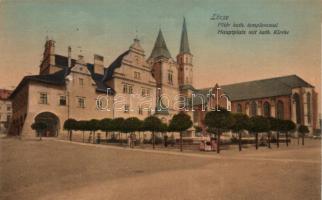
(4, 94)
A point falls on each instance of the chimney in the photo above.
(98, 64)
(69, 56)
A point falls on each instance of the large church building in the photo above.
(136, 85)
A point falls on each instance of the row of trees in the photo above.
(217, 122)
(179, 123)
(222, 121)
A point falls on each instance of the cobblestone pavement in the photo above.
(52, 169)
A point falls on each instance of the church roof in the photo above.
(184, 45)
(271, 87)
(160, 48)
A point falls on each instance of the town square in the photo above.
(144, 99)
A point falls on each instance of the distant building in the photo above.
(70, 88)
(286, 97)
(5, 110)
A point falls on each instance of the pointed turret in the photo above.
(160, 48)
(184, 45)
(184, 59)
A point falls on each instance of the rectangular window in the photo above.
(140, 111)
(81, 81)
(127, 89)
(137, 75)
(148, 92)
(126, 108)
(124, 88)
(143, 92)
(43, 98)
(8, 108)
(62, 100)
(130, 89)
(81, 102)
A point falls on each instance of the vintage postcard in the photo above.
(164, 100)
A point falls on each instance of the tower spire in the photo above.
(184, 45)
(160, 48)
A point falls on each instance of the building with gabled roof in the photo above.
(136, 86)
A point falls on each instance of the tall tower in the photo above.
(184, 59)
(165, 72)
(48, 57)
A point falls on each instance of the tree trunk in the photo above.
(218, 142)
(83, 137)
(269, 139)
(106, 136)
(40, 135)
(278, 139)
(256, 140)
(153, 140)
(298, 139)
(181, 141)
(94, 137)
(286, 136)
(302, 139)
(70, 135)
(240, 140)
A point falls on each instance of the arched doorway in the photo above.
(52, 122)
(296, 99)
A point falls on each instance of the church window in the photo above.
(43, 98)
(62, 100)
(81, 102)
(239, 108)
(253, 108)
(280, 110)
(308, 103)
(267, 109)
(170, 77)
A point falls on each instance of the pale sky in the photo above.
(108, 27)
